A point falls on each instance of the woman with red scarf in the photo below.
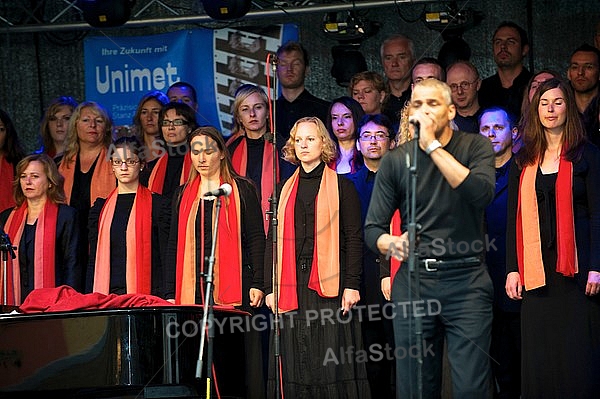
(240, 242)
(553, 253)
(251, 152)
(43, 229)
(319, 261)
(128, 229)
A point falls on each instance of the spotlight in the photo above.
(106, 13)
(226, 9)
(347, 61)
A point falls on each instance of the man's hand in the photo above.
(513, 286)
(350, 298)
(386, 288)
(256, 297)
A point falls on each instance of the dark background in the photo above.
(41, 52)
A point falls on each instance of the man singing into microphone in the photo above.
(456, 175)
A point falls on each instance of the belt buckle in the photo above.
(429, 268)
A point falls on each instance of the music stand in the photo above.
(6, 247)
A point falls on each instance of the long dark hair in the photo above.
(534, 138)
(12, 149)
(357, 113)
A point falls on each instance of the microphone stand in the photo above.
(6, 247)
(413, 271)
(274, 225)
(208, 313)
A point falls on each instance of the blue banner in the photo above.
(120, 70)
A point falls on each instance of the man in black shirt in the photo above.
(295, 101)
(456, 178)
(506, 88)
(397, 59)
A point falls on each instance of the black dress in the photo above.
(560, 325)
(312, 363)
(253, 247)
(118, 242)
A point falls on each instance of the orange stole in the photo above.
(103, 178)
(395, 230)
(239, 159)
(227, 268)
(7, 175)
(156, 181)
(324, 277)
(529, 247)
(44, 253)
(138, 269)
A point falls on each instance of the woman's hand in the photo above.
(386, 288)
(350, 298)
(270, 301)
(593, 283)
(513, 286)
(256, 297)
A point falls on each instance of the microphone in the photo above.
(273, 58)
(417, 126)
(224, 190)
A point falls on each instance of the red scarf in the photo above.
(325, 271)
(156, 181)
(139, 244)
(103, 178)
(239, 159)
(227, 268)
(395, 230)
(7, 176)
(529, 247)
(44, 253)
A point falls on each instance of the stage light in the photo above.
(106, 13)
(226, 9)
(347, 61)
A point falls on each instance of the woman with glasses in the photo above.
(86, 166)
(128, 229)
(177, 121)
(342, 124)
(148, 130)
(44, 230)
(239, 248)
(53, 127)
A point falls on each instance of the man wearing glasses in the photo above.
(375, 139)
(464, 82)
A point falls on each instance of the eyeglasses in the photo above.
(464, 85)
(377, 137)
(496, 128)
(129, 162)
(174, 122)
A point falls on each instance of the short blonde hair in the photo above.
(328, 153)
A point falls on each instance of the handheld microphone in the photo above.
(415, 123)
(224, 190)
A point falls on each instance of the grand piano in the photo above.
(118, 353)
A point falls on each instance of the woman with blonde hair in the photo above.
(86, 165)
(54, 124)
(250, 148)
(43, 228)
(319, 260)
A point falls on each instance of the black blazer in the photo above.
(68, 270)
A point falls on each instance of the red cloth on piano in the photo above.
(65, 298)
